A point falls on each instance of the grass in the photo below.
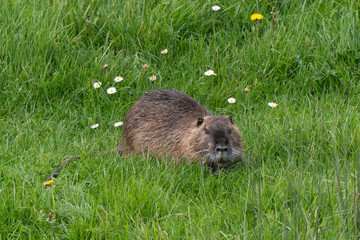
(301, 179)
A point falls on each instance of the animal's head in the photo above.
(219, 141)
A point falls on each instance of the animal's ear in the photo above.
(230, 119)
(200, 121)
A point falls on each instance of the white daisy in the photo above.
(215, 8)
(118, 79)
(272, 105)
(165, 51)
(210, 73)
(231, 100)
(95, 126)
(111, 90)
(97, 84)
(152, 78)
(118, 124)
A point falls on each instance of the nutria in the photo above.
(168, 123)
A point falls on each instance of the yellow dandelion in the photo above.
(48, 183)
(256, 16)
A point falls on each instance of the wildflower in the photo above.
(231, 100)
(51, 218)
(215, 8)
(272, 105)
(118, 124)
(106, 65)
(118, 79)
(152, 78)
(48, 183)
(210, 73)
(247, 90)
(165, 51)
(145, 66)
(94, 126)
(256, 16)
(111, 90)
(97, 84)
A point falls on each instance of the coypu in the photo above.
(170, 123)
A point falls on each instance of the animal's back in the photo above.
(159, 120)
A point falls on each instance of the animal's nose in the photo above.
(221, 149)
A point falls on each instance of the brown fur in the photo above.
(170, 123)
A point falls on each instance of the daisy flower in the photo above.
(118, 124)
(210, 73)
(106, 65)
(215, 8)
(165, 51)
(231, 100)
(247, 90)
(272, 105)
(48, 183)
(111, 90)
(256, 16)
(118, 79)
(97, 84)
(94, 126)
(145, 66)
(152, 78)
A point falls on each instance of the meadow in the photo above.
(301, 178)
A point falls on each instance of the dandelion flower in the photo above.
(97, 84)
(94, 126)
(118, 124)
(165, 51)
(256, 16)
(152, 78)
(247, 90)
(111, 90)
(272, 105)
(215, 8)
(231, 100)
(118, 79)
(48, 183)
(210, 73)
(145, 66)
(106, 65)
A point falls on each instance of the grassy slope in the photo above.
(302, 175)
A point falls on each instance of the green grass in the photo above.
(301, 178)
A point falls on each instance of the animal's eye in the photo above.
(200, 121)
(206, 130)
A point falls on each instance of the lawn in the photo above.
(301, 178)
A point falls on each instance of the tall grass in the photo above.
(301, 177)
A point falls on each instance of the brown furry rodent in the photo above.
(168, 123)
